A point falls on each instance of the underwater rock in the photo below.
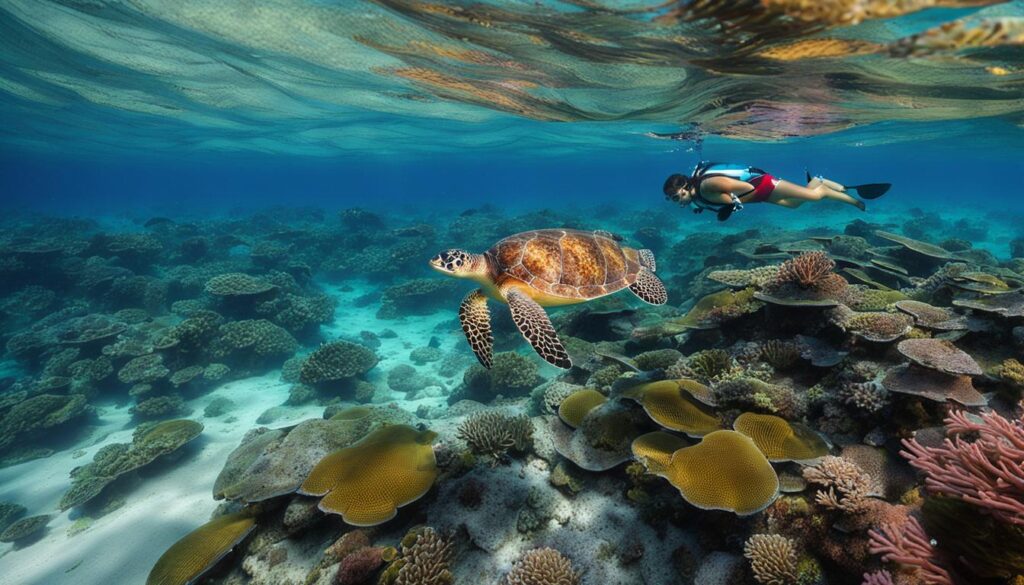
(602, 440)
(198, 551)
(272, 463)
(368, 481)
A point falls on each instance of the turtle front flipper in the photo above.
(649, 288)
(535, 326)
(476, 324)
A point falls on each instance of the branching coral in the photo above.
(806, 270)
(706, 365)
(987, 472)
(908, 545)
(542, 566)
(494, 434)
(878, 578)
(426, 560)
(845, 486)
(773, 559)
(781, 355)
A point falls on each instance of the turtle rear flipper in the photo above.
(476, 324)
(649, 288)
(533, 323)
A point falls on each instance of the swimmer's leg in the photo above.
(787, 190)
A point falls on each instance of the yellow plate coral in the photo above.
(200, 549)
(779, 439)
(671, 404)
(578, 404)
(654, 450)
(725, 471)
(368, 481)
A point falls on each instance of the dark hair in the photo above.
(673, 183)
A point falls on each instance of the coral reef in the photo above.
(844, 486)
(336, 361)
(426, 560)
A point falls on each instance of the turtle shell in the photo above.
(566, 263)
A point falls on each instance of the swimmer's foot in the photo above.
(860, 205)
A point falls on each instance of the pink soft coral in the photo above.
(987, 471)
(908, 545)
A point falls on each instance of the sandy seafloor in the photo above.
(172, 498)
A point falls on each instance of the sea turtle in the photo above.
(540, 268)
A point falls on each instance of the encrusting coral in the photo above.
(542, 566)
(773, 559)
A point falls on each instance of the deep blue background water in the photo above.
(935, 174)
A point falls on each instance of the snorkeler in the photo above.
(725, 188)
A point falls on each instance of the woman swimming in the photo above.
(724, 188)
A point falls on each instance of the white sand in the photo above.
(121, 547)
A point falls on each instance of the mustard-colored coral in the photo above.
(779, 439)
(368, 481)
(671, 405)
(1012, 372)
(725, 471)
(654, 450)
(200, 549)
(578, 404)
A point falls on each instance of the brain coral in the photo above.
(335, 361)
(199, 550)
(542, 566)
(367, 482)
(237, 284)
(780, 440)
(725, 471)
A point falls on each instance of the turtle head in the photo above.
(458, 263)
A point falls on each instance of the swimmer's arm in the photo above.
(721, 189)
